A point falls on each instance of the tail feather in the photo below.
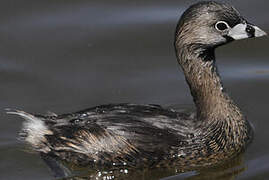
(33, 130)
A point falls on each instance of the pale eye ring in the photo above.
(221, 25)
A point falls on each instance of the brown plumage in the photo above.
(119, 135)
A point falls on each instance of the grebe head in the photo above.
(210, 24)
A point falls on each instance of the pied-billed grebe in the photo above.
(117, 135)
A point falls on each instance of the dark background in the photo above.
(64, 55)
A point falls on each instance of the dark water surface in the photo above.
(64, 55)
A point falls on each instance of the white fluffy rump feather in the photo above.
(33, 131)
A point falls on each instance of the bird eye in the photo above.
(221, 25)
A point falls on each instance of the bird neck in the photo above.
(202, 76)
